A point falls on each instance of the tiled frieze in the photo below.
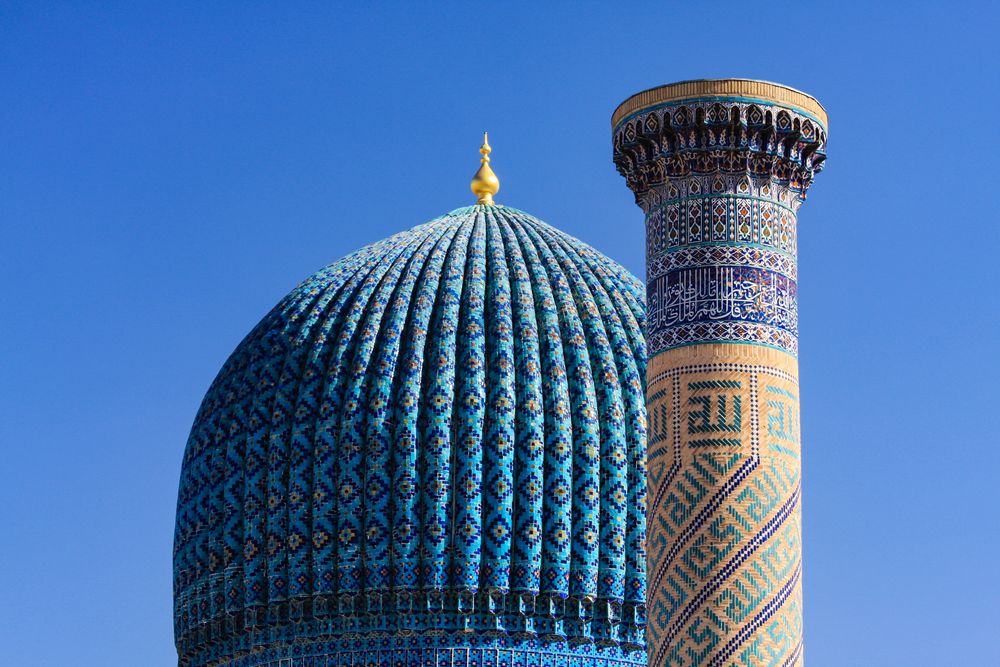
(718, 294)
(434, 651)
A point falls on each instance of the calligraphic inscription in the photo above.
(715, 294)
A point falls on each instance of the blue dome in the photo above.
(439, 439)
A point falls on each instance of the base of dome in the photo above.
(431, 651)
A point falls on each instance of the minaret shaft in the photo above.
(720, 169)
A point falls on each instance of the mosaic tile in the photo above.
(441, 435)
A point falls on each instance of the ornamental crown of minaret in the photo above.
(734, 126)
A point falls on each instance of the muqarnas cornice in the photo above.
(760, 130)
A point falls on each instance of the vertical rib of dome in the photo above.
(558, 446)
(498, 437)
(529, 438)
(408, 478)
(613, 468)
(585, 484)
(469, 413)
(438, 402)
(441, 433)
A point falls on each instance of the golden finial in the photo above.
(485, 183)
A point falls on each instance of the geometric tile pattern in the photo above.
(724, 526)
(714, 209)
(724, 332)
(443, 432)
(721, 263)
(722, 254)
(720, 168)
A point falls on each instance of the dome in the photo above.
(437, 441)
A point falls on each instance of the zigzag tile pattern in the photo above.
(442, 434)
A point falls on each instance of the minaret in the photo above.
(720, 167)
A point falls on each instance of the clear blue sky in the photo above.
(167, 174)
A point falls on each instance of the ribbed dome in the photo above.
(444, 431)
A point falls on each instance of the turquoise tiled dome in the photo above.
(435, 442)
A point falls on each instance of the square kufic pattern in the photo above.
(719, 438)
(781, 446)
(663, 434)
(728, 526)
(779, 403)
(716, 415)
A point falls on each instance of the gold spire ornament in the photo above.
(485, 183)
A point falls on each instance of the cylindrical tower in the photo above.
(720, 168)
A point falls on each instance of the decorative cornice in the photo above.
(470, 615)
(267, 647)
(707, 127)
(764, 91)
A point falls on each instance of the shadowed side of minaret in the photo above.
(720, 168)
